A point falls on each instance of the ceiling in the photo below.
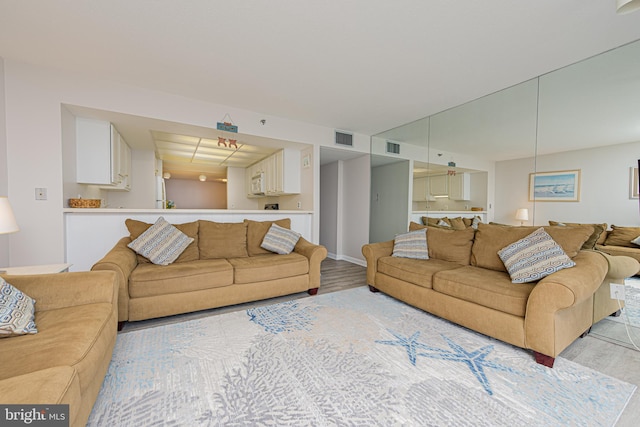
(363, 66)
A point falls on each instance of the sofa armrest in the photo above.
(373, 251)
(315, 254)
(60, 290)
(121, 260)
(562, 303)
(620, 267)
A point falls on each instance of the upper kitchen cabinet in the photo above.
(460, 186)
(103, 157)
(276, 175)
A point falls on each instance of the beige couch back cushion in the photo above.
(256, 230)
(490, 238)
(622, 236)
(191, 253)
(222, 240)
(598, 236)
(448, 245)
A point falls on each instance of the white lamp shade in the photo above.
(626, 6)
(522, 214)
(8, 222)
(166, 175)
(202, 178)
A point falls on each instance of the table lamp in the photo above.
(8, 222)
(522, 215)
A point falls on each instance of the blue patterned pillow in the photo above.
(280, 240)
(411, 245)
(161, 243)
(534, 257)
(17, 312)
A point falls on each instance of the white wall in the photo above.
(354, 216)
(329, 206)
(191, 194)
(33, 98)
(389, 195)
(604, 195)
(237, 190)
(4, 239)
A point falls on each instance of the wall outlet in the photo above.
(299, 205)
(617, 291)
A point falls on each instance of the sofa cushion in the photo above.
(448, 245)
(622, 236)
(256, 230)
(222, 239)
(280, 240)
(78, 336)
(598, 235)
(411, 245)
(534, 257)
(490, 238)
(17, 312)
(136, 228)
(489, 288)
(162, 243)
(151, 280)
(268, 267)
(417, 272)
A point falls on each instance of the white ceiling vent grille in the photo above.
(344, 139)
(393, 147)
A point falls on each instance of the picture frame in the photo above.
(633, 183)
(555, 186)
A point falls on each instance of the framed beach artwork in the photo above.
(557, 186)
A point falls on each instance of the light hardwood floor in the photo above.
(595, 351)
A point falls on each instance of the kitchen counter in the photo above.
(91, 232)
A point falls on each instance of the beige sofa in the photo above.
(66, 361)
(224, 265)
(465, 281)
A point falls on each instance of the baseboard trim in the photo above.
(352, 260)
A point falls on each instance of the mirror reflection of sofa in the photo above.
(464, 280)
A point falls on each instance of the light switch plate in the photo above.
(41, 194)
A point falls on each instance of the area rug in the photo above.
(345, 358)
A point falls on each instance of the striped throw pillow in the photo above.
(411, 245)
(280, 240)
(17, 312)
(161, 243)
(534, 257)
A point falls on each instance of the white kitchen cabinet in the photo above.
(460, 186)
(439, 185)
(281, 173)
(420, 190)
(102, 156)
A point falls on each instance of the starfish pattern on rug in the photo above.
(475, 360)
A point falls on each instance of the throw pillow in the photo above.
(162, 243)
(636, 241)
(256, 230)
(457, 223)
(17, 312)
(443, 223)
(411, 245)
(534, 257)
(280, 240)
(136, 228)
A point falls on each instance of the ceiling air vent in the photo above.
(393, 147)
(344, 139)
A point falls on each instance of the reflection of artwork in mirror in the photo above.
(557, 186)
(633, 183)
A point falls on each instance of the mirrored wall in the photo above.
(565, 146)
